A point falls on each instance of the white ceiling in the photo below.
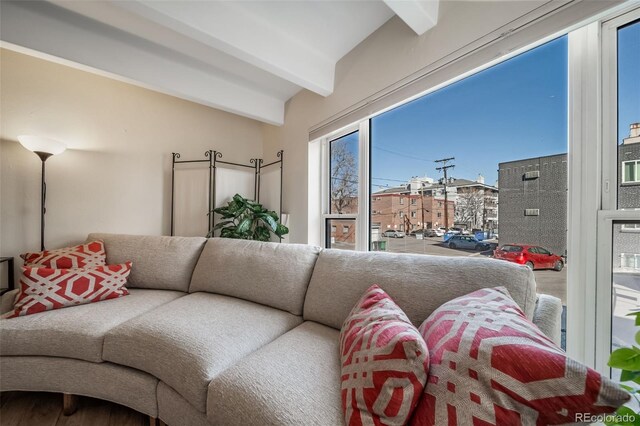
(245, 57)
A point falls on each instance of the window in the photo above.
(477, 124)
(344, 174)
(630, 261)
(630, 227)
(628, 114)
(617, 242)
(631, 171)
(340, 234)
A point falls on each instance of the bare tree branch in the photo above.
(344, 179)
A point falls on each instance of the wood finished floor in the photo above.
(45, 409)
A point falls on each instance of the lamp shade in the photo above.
(40, 144)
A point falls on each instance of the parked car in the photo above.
(433, 233)
(391, 233)
(535, 257)
(467, 242)
(417, 231)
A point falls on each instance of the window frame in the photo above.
(361, 218)
(636, 171)
(609, 213)
(591, 169)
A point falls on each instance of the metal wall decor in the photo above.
(214, 159)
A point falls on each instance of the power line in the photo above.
(400, 154)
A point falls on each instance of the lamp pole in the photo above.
(43, 195)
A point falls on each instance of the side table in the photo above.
(9, 261)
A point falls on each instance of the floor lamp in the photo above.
(43, 148)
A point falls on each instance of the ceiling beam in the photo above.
(233, 29)
(419, 15)
(93, 46)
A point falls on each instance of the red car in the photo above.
(534, 257)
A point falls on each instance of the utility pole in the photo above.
(445, 166)
(422, 205)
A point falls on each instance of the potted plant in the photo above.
(247, 220)
(628, 360)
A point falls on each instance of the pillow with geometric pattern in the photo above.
(384, 362)
(88, 255)
(490, 365)
(45, 289)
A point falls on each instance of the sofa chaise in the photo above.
(234, 332)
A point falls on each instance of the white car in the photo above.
(391, 233)
(438, 232)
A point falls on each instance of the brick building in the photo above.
(398, 209)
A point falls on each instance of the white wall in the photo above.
(389, 55)
(115, 176)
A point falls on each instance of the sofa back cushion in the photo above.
(164, 263)
(271, 274)
(417, 283)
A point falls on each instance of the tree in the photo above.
(470, 208)
(344, 179)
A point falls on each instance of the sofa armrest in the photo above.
(8, 300)
(548, 316)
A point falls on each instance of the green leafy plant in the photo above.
(247, 220)
(628, 360)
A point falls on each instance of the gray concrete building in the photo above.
(626, 240)
(629, 170)
(532, 202)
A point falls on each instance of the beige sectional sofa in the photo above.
(234, 332)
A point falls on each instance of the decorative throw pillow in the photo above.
(87, 255)
(45, 289)
(490, 365)
(384, 362)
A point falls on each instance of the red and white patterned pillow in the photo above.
(490, 365)
(87, 255)
(384, 362)
(45, 289)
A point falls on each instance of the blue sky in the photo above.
(514, 110)
(628, 78)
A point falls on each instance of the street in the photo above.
(548, 281)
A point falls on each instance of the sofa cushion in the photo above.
(384, 362)
(45, 289)
(76, 332)
(272, 274)
(417, 283)
(187, 342)
(88, 255)
(173, 409)
(295, 380)
(164, 263)
(492, 366)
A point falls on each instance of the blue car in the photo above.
(467, 242)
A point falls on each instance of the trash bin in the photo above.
(380, 245)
